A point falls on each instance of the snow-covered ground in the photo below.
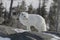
(2, 38)
(45, 36)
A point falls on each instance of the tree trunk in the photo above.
(9, 15)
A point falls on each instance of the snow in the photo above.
(20, 30)
(2, 38)
(51, 36)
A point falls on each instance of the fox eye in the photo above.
(22, 14)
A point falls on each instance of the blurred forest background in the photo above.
(11, 18)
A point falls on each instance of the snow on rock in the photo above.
(20, 30)
(34, 20)
(49, 36)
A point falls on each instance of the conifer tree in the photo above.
(30, 9)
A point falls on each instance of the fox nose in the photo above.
(24, 16)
